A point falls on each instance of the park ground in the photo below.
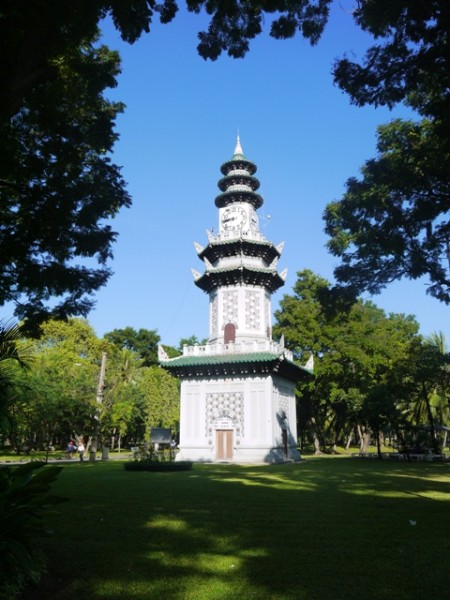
(328, 528)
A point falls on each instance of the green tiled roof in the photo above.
(236, 364)
(213, 359)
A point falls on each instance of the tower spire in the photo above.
(238, 149)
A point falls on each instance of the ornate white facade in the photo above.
(238, 391)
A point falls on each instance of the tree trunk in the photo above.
(378, 444)
(349, 440)
(364, 438)
(316, 440)
(434, 440)
(99, 398)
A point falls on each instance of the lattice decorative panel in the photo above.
(283, 401)
(225, 405)
(230, 306)
(214, 304)
(267, 312)
(252, 310)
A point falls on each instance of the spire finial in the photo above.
(238, 148)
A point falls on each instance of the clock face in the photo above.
(234, 217)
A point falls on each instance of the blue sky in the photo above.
(180, 125)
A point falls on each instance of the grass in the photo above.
(324, 529)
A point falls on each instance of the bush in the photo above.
(152, 465)
(24, 499)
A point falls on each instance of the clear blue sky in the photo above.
(180, 125)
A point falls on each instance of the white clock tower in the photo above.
(238, 391)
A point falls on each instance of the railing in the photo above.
(235, 235)
(242, 347)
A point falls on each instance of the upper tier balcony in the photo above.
(241, 347)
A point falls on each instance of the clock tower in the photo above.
(238, 391)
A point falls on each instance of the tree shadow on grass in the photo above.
(322, 529)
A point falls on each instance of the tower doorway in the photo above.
(230, 333)
(224, 444)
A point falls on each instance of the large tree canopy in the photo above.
(393, 222)
(58, 187)
(412, 57)
(35, 33)
(411, 64)
(364, 374)
(143, 342)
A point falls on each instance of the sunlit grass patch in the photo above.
(319, 530)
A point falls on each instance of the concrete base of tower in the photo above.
(240, 455)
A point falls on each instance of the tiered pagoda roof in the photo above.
(260, 248)
(268, 277)
(239, 185)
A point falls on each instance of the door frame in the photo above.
(223, 449)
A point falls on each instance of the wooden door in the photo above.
(224, 444)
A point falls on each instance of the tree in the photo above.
(144, 342)
(411, 65)
(58, 188)
(356, 350)
(34, 35)
(429, 386)
(161, 400)
(56, 397)
(233, 24)
(10, 352)
(393, 222)
(191, 341)
(123, 396)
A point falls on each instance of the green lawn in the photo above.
(325, 529)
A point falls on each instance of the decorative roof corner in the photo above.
(280, 247)
(198, 247)
(162, 354)
(310, 364)
(210, 235)
(283, 274)
(196, 274)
